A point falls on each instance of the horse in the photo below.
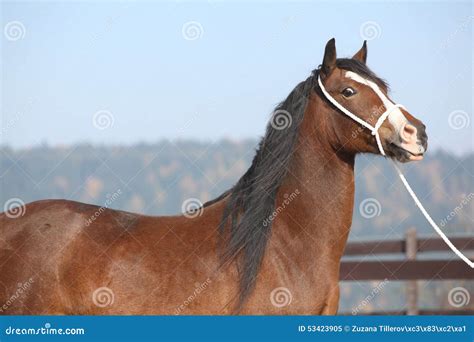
(271, 244)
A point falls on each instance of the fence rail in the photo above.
(405, 270)
(399, 246)
(408, 269)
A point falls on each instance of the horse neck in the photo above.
(318, 193)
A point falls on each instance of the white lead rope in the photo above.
(375, 132)
(429, 219)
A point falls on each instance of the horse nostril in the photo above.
(408, 133)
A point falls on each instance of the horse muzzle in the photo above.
(410, 144)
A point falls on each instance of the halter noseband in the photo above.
(373, 129)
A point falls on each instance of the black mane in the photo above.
(244, 227)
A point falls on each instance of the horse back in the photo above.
(35, 251)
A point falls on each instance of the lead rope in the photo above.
(374, 130)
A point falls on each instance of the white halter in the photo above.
(374, 130)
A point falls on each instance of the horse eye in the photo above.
(348, 92)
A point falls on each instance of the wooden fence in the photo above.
(409, 269)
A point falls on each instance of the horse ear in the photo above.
(361, 55)
(329, 60)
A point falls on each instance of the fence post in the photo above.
(411, 286)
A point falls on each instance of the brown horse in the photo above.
(271, 244)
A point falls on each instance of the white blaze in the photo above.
(396, 117)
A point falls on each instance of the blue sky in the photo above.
(132, 61)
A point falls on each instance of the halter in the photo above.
(374, 130)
